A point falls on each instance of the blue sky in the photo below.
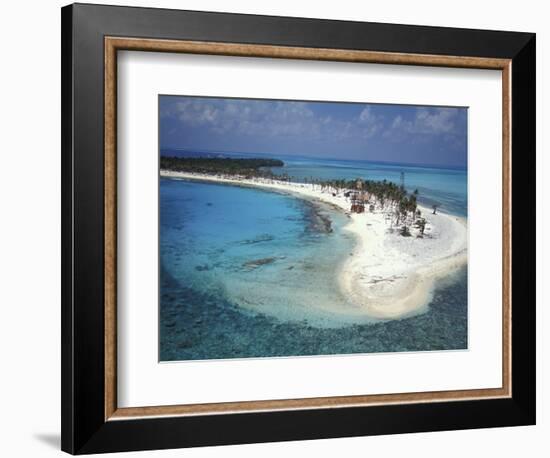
(392, 133)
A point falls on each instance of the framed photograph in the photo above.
(281, 228)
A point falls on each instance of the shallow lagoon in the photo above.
(224, 246)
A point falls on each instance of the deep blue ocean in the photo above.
(239, 268)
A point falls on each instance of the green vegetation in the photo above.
(399, 206)
(392, 199)
(247, 168)
(405, 231)
(421, 225)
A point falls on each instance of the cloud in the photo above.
(270, 118)
(429, 124)
(438, 121)
(370, 123)
(246, 117)
(367, 116)
(303, 120)
(426, 122)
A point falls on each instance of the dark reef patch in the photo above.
(195, 325)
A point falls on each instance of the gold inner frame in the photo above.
(114, 44)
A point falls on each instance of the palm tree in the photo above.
(422, 226)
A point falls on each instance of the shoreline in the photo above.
(387, 276)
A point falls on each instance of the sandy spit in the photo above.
(387, 276)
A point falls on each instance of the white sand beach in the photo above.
(387, 276)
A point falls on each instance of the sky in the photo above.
(391, 133)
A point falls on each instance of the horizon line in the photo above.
(425, 165)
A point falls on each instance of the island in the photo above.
(402, 248)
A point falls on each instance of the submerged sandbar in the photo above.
(387, 276)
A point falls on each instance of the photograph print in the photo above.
(308, 228)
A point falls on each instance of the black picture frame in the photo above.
(84, 428)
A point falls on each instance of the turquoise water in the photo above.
(240, 267)
(263, 251)
(445, 187)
